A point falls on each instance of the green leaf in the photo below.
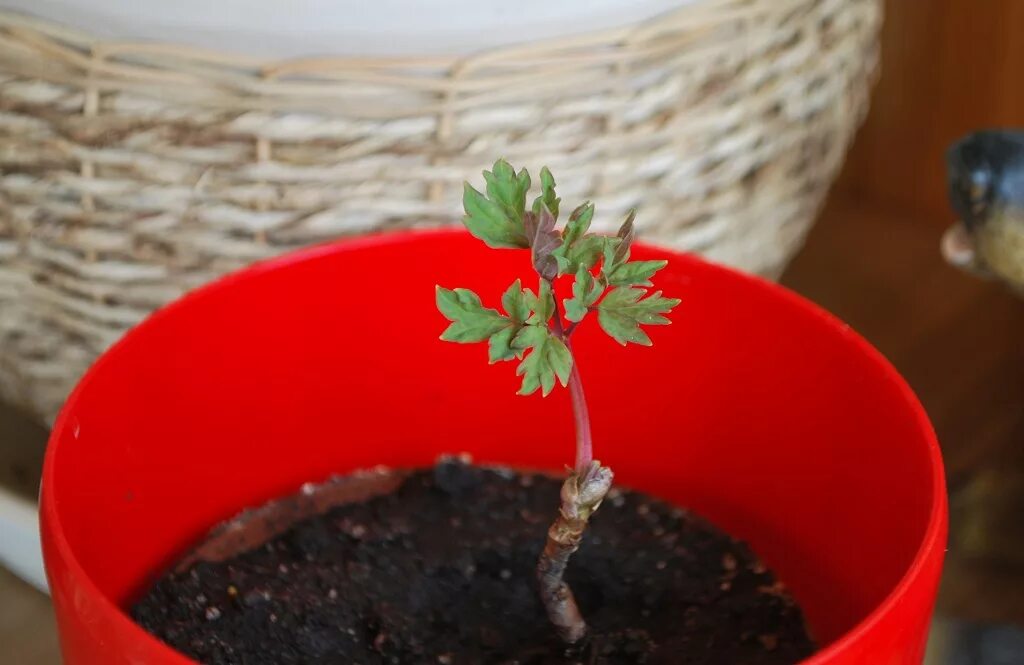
(547, 198)
(584, 252)
(497, 217)
(490, 222)
(578, 248)
(499, 346)
(617, 269)
(608, 262)
(579, 223)
(517, 304)
(585, 292)
(508, 188)
(471, 321)
(549, 359)
(625, 309)
(634, 273)
(542, 305)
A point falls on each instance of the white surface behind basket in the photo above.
(298, 28)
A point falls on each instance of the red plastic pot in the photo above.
(755, 408)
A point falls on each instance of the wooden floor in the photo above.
(959, 342)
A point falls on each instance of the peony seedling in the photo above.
(536, 328)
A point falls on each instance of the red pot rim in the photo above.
(935, 533)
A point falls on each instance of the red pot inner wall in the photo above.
(754, 408)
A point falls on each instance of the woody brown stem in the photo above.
(582, 493)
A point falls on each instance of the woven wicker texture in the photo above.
(134, 172)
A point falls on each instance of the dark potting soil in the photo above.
(441, 571)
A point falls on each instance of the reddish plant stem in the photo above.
(582, 493)
(584, 442)
(581, 415)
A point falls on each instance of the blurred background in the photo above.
(872, 257)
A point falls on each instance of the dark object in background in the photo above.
(985, 173)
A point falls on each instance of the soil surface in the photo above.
(441, 571)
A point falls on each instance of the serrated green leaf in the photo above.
(542, 305)
(491, 222)
(584, 252)
(634, 273)
(625, 309)
(497, 217)
(508, 188)
(549, 359)
(608, 261)
(585, 292)
(579, 223)
(516, 302)
(577, 247)
(471, 321)
(499, 345)
(547, 198)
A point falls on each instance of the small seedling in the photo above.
(536, 329)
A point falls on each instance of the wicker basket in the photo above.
(134, 172)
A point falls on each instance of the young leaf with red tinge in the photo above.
(540, 233)
(579, 248)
